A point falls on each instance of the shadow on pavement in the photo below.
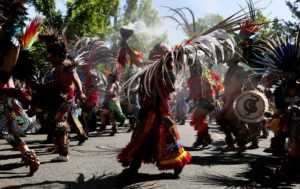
(11, 166)
(106, 150)
(103, 181)
(261, 172)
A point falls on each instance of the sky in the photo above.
(225, 8)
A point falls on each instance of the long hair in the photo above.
(55, 43)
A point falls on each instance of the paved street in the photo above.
(94, 165)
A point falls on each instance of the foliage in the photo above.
(83, 18)
(294, 8)
(207, 22)
(52, 17)
(266, 30)
(90, 17)
(38, 52)
(129, 9)
(142, 12)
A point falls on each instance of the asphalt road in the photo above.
(94, 165)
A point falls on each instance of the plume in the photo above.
(12, 16)
(31, 33)
(160, 76)
(230, 24)
(279, 55)
(189, 29)
(93, 51)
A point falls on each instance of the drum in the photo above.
(250, 106)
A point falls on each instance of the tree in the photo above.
(90, 17)
(83, 18)
(144, 41)
(185, 18)
(130, 9)
(207, 22)
(47, 8)
(292, 27)
(139, 13)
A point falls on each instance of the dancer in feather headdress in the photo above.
(203, 82)
(280, 57)
(12, 16)
(62, 87)
(155, 137)
(234, 81)
(93, 52)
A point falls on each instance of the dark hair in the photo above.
(160, 48)
(55, 43)
(112, 77)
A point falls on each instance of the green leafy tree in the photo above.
(90, 17)
(294, 8)
(149, 16)
(130, 9)
(53, 17)
(185, 19)
(143, 13)
(207, 22)
(83, 17)
(271, 28)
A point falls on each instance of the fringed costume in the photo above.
(234, 80)
(202, 83)
(12, 16)
(280, 57)
(63, 85)
(155, 137)
(112, 106)
(203, 88)
(93, 51)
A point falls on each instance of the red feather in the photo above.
(250, 28)
(31, 31)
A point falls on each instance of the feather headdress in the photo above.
(31, 33)
(93, 51)
(55, 42)
(12, 16)
(160, 76)
(280, 55)
(214, 43)
(230, 24)
(248, 30)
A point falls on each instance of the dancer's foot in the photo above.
(198, 142)
(102, 128)
(114, 130)
(60, 159)
(30, 158)
(229, 148)
(177, 171)
(206, 142)
(82, 139)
